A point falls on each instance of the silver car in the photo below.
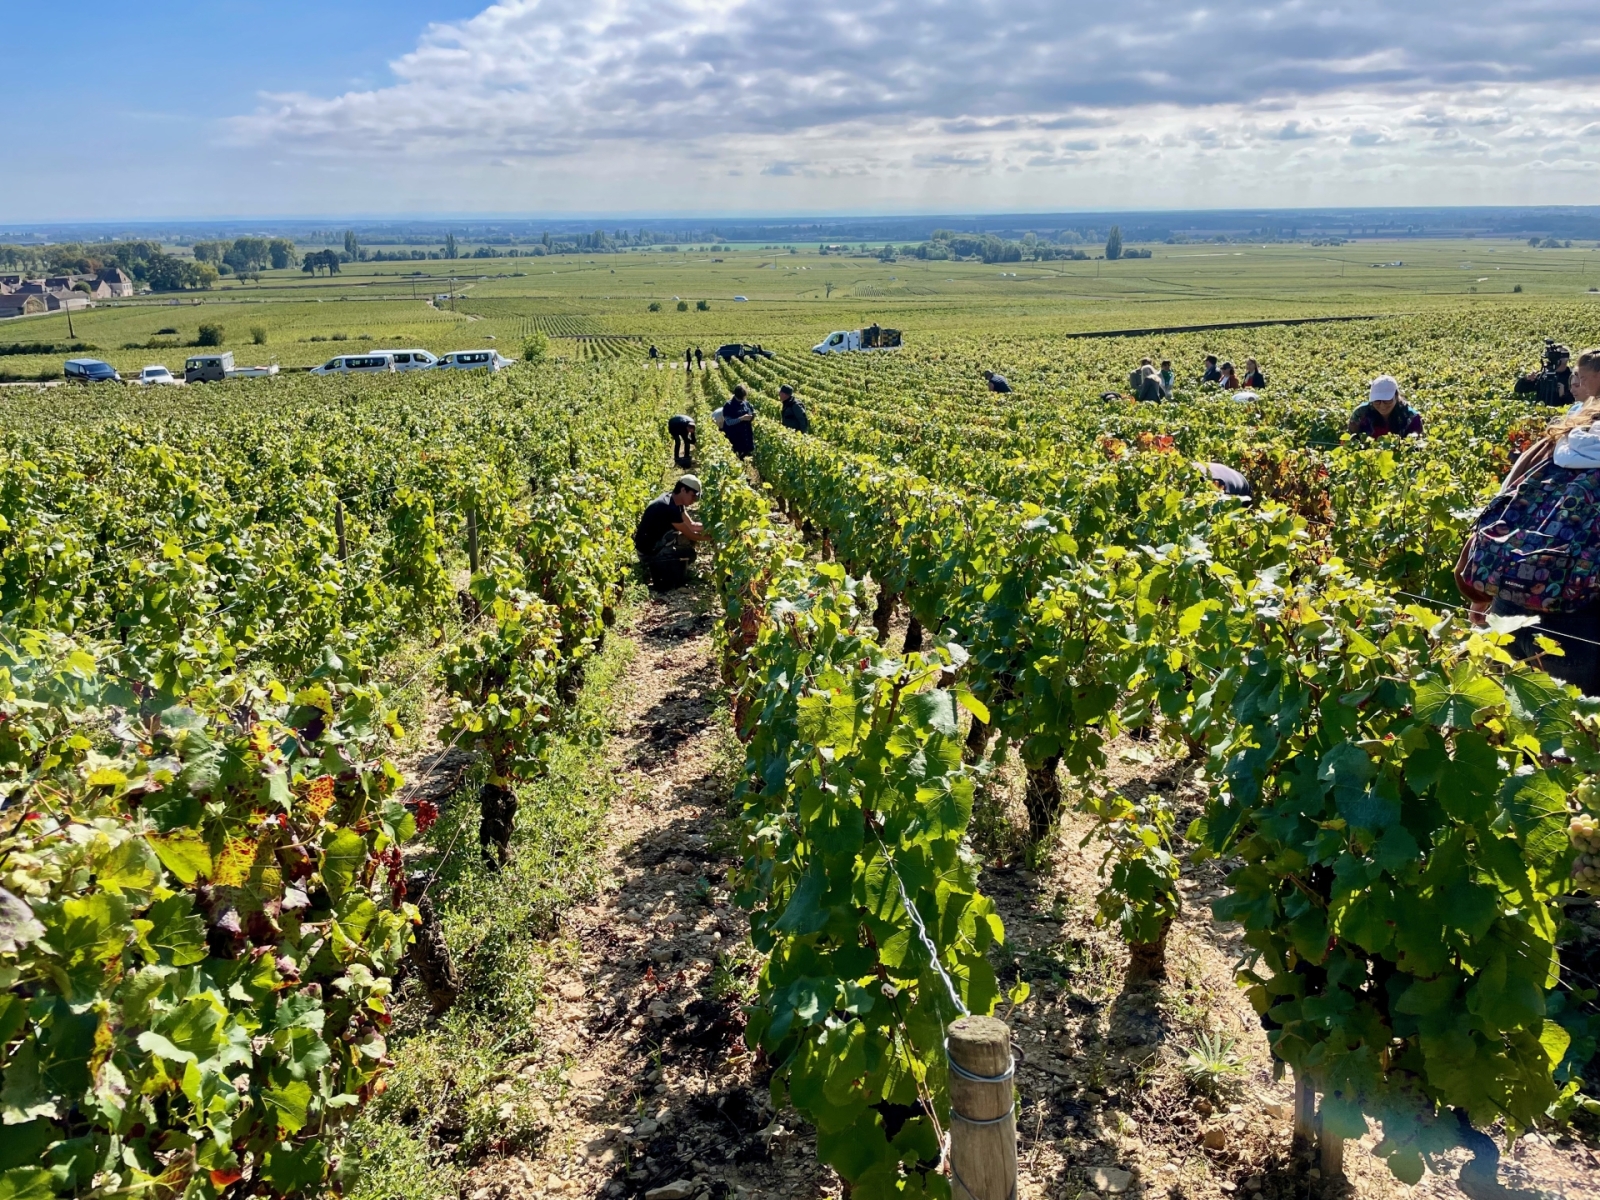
(473, 360)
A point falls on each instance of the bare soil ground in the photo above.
(643, 1027)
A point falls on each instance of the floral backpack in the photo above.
(1537, 544)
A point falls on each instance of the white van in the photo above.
(357, 364)
(410, 360)
(472, 360)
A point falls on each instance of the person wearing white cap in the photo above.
(1385, 412)
(666, 534)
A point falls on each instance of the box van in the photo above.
(472, 360)
(208, 368)
(410, 360)
(90, 370)
(357, 364)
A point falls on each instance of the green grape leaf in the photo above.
(23, 1096)
(805, 912)
(25, 1145)
(289, 1104)
(183, 853)
(294, 1169)
(1454, 703)
(18, 926)
(178, 932)
(934, 711)
(26, 1183)
(343, 853)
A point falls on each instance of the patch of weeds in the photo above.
(454, 1094)
(732, 978)
(1211, 1066)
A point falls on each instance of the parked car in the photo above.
(90, 370)
(472, 360)
(410, 360)
(208, 368)
(742, 351)
(157, 374)
(357, 364)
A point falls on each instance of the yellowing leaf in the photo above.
(182, 853)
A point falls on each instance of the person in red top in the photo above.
(1385, 412)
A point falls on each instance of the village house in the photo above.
(21, 304)
(114, 281)
(66, 300)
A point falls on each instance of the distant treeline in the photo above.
(986, 247)
(145, 262)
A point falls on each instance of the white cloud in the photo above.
(586, 99)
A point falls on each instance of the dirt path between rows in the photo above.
(642, 1076)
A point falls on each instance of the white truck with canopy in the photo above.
(843, 341)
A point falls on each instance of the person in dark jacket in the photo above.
(699, 359)
(1385, 412)
(794, 413)
(1211, 374)
(666, 534)
(654, 354)
(681, 427)
(738, 422)
(686, 356)
(997, 381)
(1552, 384)
(1253, 378)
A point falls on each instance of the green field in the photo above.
(793, 299)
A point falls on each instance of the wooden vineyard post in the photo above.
(338, 528)
(472, 539)
(1305, 1110)
(1332, 1161)
(983, 1121)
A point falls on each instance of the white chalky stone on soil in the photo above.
(1111, 1180)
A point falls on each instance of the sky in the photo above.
(237, 108)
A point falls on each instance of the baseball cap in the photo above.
(692, 482)
(1384, 388)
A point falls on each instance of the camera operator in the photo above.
(1551, 385)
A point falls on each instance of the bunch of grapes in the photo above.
(1588, 793)
(1584, 831)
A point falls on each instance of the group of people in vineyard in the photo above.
(1533, 553)
(667, 534)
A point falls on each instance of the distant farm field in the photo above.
(793, 299)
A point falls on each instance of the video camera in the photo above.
(1549, 384)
